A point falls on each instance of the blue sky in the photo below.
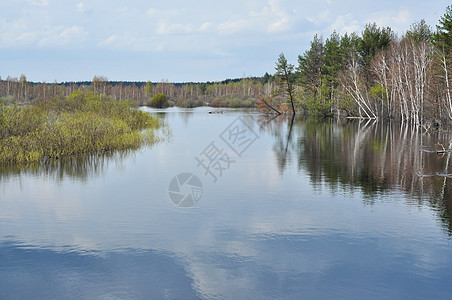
(203, 40)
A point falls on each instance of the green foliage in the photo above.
(159, 101)
(148, 89)
(333, 58)
(285, 71)
(232, 102)
(349, 46)
(319, 69)
(419, 32)
(351, 73)
(320, 104)
(286, 78)
(203, 88)
(7, 100)
(81, 123)
(188, 103)
(310, 65)
(373, 40)
(266, 78)
(237, 103)
(378, 92)
(443, 35)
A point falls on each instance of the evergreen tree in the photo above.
(419, 32)
(148, 89)
(310, 65)
(286, 78)
(443, 35)
(373, 40)
(333, 59)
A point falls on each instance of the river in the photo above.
(236, 205)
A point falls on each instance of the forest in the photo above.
(239, 91)
(375, 75)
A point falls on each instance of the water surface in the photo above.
(306, 210)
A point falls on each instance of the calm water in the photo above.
(313, 210)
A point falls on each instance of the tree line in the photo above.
(20, 91)
(375, 75)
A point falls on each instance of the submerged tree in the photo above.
(286, 78)
(442, 41)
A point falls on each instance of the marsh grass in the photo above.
(79, 124)
(232, 102)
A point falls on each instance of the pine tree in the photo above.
(286, 78)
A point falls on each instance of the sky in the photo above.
(180, 40)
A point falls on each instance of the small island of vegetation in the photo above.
(78, 124)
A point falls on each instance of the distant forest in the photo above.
(20, 91)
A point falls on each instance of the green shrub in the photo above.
(378, 92)
(159, 101)
(218, 102)
(7, 100)
(188, 103)
(81, 123)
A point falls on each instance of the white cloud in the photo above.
(205, 26)
(230, 27)
(280, 25)
(62, 36)
(273, 17)
(345, 24)
(399, 21)
(153, 12)
(19, 35)
(323, 17)
(132, 42)
(110, 41)
(39, 2)
(167, 29)
(81, 7)
(15, 34)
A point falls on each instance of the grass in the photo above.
(79, 124)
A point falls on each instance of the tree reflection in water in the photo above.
(373, 157)
(81, 168)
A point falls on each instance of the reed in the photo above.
(81, 123)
